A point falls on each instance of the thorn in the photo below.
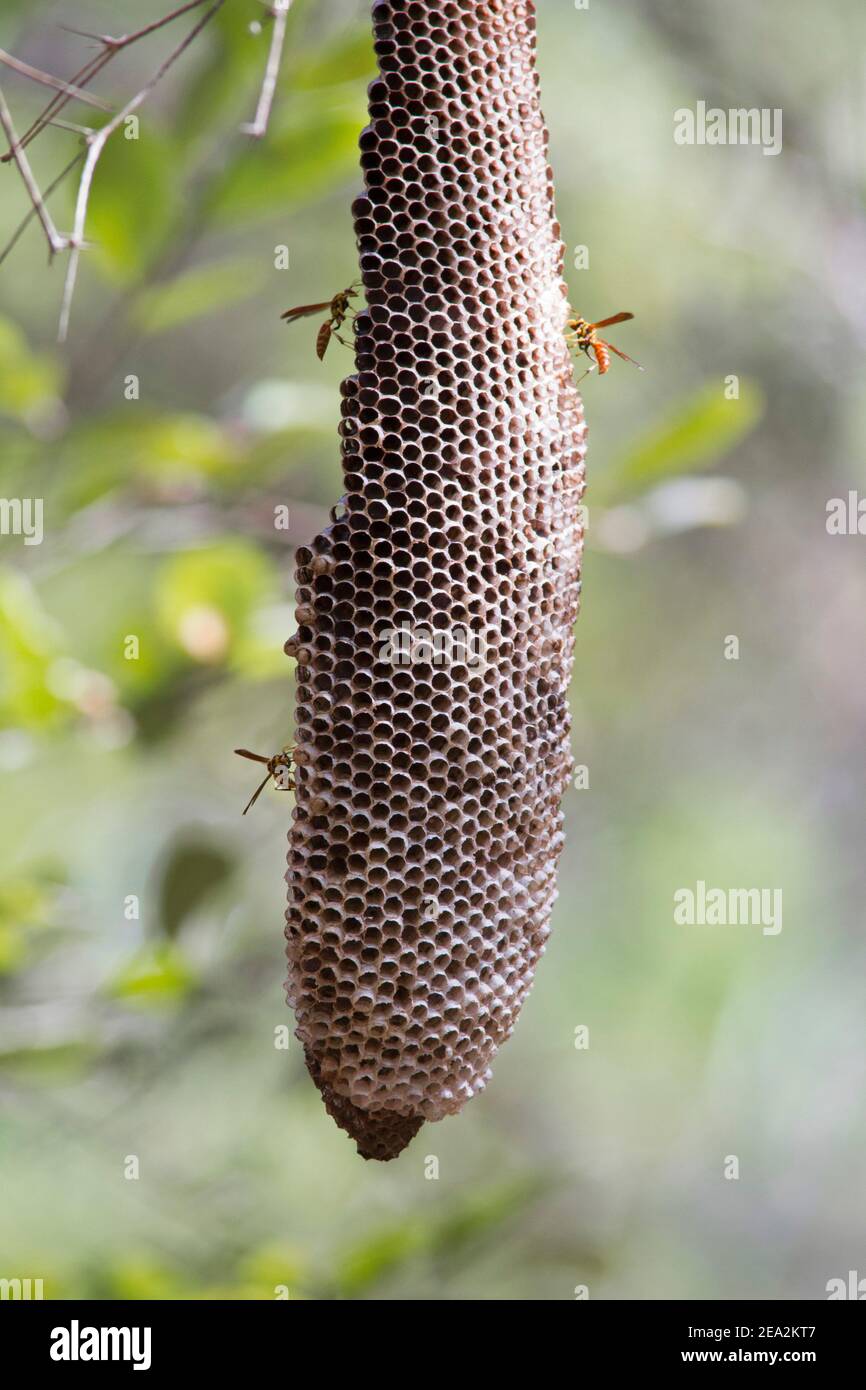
(82, 33)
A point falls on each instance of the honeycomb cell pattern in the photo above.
(427, 823)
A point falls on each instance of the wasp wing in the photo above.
(625, 357)
(253, 757)
(305, 311)
(615, 318)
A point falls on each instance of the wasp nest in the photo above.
(435, 613)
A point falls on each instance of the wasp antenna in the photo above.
(258, 791)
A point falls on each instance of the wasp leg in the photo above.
(586, 373)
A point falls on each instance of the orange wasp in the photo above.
(278, 768)
(584, 336)
(338, 311)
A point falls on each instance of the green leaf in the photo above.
(225, 90)
(348, 58)
(485, 1211)
(29, 648)
(233, 23)
(133, 201)
(203, 104)
(220, 93)
(158, 451)
(178, 448)
(698, 433)
(138, 1277)
(204, 290)
(50, 1063)
(476, 1216)
(383, 1252)
(315, 150)
(25, 906)
(158, 976)
(30, 384)
(268, 1266)
(206, 598)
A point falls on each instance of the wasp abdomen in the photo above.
(602, 356)
(323, 337)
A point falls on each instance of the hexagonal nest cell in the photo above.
(427, 824)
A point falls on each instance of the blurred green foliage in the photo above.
(698, 434)
(202, 290)
(158, 975)
(28, 381)
(134, 203)
(30, 645)
(25, 908)
(166, 437)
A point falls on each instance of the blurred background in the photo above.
(141, 948)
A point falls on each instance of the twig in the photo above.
(57, 103)
(71, 125)
(96, 145)
(70, 91)
(55, 241)
(111, 47)
(258, 127)
(82, 33)
(34, 211)
(125, 39)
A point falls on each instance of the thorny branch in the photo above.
(259, 125)
(66, 92)
(151, 28)
(46, 80)
(96, 144)
(57, 103)
(96, 140)
(111, 46)
(56, 242)
(34, 211)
